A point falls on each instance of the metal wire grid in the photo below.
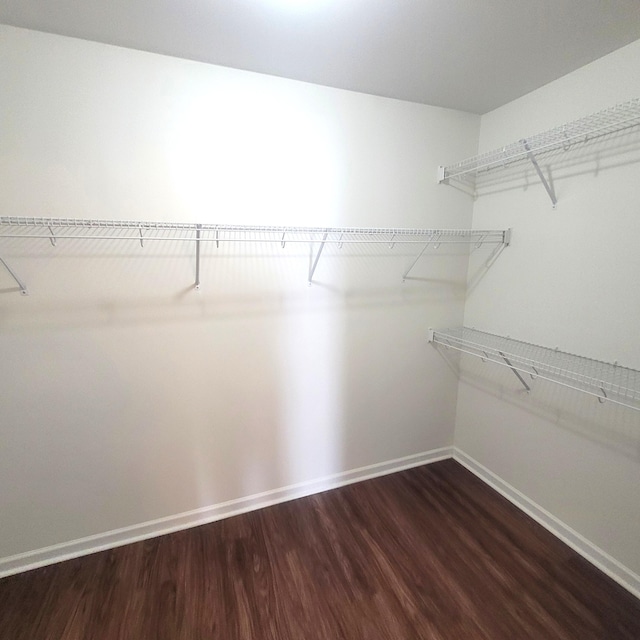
(54, 229)
(614, 119)
(606, 381)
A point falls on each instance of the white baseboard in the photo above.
(153, 528)
(614, 569)
(126, 535)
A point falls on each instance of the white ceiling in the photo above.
(473, 55)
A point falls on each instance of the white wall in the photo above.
(570, 279)
(126, 395)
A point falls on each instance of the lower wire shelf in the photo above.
(609, 382)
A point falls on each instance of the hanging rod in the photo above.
(608, 382)
(55, 229)
(608, 121)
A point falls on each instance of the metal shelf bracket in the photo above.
(547, 185)
(23, 288)
(415, 262)
(516, 373)
(198, 234)
(313, 266)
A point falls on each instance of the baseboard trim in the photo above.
(153, 528)
(609, 565)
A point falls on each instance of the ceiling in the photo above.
(472, 55)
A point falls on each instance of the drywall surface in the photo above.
(570, 280)
(127, 396)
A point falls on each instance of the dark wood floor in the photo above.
(426, 553)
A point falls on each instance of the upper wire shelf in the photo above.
(609, 382)
(55, 229)
(621, 116)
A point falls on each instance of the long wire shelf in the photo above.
(72, 228)
(617, 118)
(55, 229)
(609, 382)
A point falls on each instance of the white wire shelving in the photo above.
(608, 382)
(618, 118)
(61, 229)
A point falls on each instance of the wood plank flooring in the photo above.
(427, 553)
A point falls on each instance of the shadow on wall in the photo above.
(142, 406)
(607, 424)
(479, 269)
(158, 311)
(84, 286)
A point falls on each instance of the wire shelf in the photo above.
(54, 229)
(606, 381)
(612, 120)
(71, 228)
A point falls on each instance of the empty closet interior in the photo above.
(221, 290)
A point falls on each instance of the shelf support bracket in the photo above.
(415, 262)
(312, 268)
(198, 234)
(515, 371)
(23, 288)
(541, 175)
